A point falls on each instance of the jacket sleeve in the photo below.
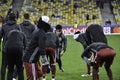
(24, 41)
(88, 35)
(86, 52)
(1, 33)
(42, 37)
(64, 43)
(57, 41)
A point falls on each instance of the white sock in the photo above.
(53, 78)
(43, 79)
(14, 79)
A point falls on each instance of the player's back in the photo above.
(95, 34)
(27, 28)
(15, 39)
(52, 40)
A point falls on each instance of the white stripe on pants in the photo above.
(34, 71)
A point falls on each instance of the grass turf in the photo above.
(74, 66)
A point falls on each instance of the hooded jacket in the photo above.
(62, 42)
(15, 39)
(94, 48)
(95, 34)
(52, 40)
(82, 38)
(27, 28)
(10, 25)
(37, 43)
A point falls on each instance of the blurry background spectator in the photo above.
(108, 22)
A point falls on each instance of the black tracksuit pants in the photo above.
(14, 58)
(58, 58)
(4, 65)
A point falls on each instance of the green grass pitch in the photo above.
(74, 66)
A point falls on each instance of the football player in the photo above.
(82, 38)
(102, 54)
(62, 46)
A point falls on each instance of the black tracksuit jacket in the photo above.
(94, 47)
(52, 40)
(95, 34)
(15, 39)
(82, 38)
(27, 28)
(10, 25)
(37, 44)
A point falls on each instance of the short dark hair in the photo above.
(12, 16)
(26, 16)
(58, 26)
(77, 32)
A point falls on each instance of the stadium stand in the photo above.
(116, 11)
(65, 12)
(4, 8)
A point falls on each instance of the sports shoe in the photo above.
(61, 70)
(86, 75)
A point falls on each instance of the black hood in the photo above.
(26, 23)
(43, 25)
(11, 22)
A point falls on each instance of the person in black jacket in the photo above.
(94, 33)
(52, 43)
(101, 54)
(62, 46)
(36, 49)
(10, 25)
(14, 47)
(82, 38)
(27, 28)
